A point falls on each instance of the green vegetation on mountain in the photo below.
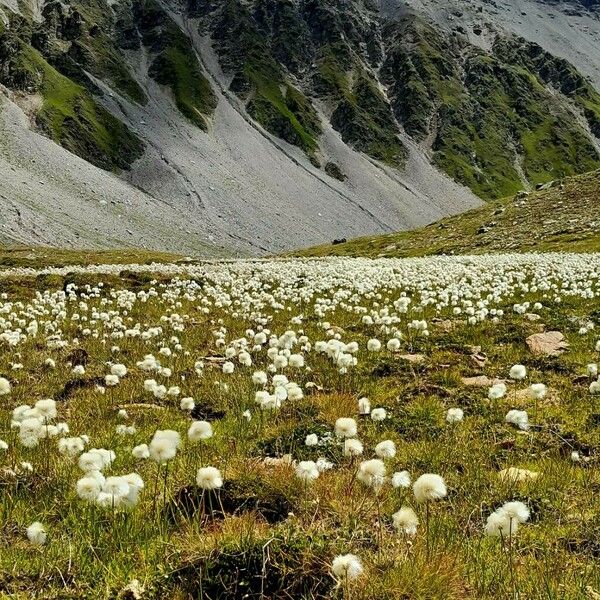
(260, 80)
(77, 40)
(492, 120)
(496, 121)
(560, 217)
(175, 63)
(68, 114)
(361, 114)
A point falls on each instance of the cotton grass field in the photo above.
(342, 428)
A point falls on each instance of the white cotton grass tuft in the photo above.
(5, 386)
(429, 487)
(36, 534)
(497, 391)
(141, 451)
(374, 345)
(307, 471)
(454, 415)
(386, 449)
(187, 403)
(347, 567)
(378, 414)
(353, 447)
(517, 372)
(406, 521)
(200, 431)
(88, 488)
(538, 391)
(516, 510)
(312, 439)
(372, 473)
(364, 406)
(163, 446)
(499, 525)
(518, 418)
(505, 521)
(345, 427)
(209, 478)
(118, 370)
(401, 479)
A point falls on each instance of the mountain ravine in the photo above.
(252, 126)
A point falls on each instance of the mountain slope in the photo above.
(270, 124)
(562, 216)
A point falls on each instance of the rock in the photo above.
(445, 325)
(480, 381)
(479, 359)
(515, 475)
(532, 317)
(412, 358)
(549, 343)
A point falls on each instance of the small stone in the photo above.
(549, 343)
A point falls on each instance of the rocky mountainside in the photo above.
(260, 125)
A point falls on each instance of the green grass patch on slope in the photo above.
(491, 119)
(41, 257)
(175, 63)
(72, 118)
(361, 115)
(281, 108)
(561, 218)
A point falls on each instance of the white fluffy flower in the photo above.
(454, 415)
(345, 427)
(499, 525)
(347, 566)
(406, 521)
(352, 447)
(386, 449)
(199, 431)
(88, 488)
(517, 372)
(538, 391)
(518, 418)
(4, 386)
(371, 472)
(378, 414)
(373, 345)
(307, 470)
(36, 534)
(429, 487)
(46, 408)
(111, 380)
(401, 479)
(187, 404)
(364, 406)
(119, 370)
(312, 439)
(209, 478)
(515, 510)
(141, 451)
(497, 391)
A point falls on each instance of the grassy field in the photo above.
(563, 217)
(38, 257)
(268, 531)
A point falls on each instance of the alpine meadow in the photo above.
(299, 299)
